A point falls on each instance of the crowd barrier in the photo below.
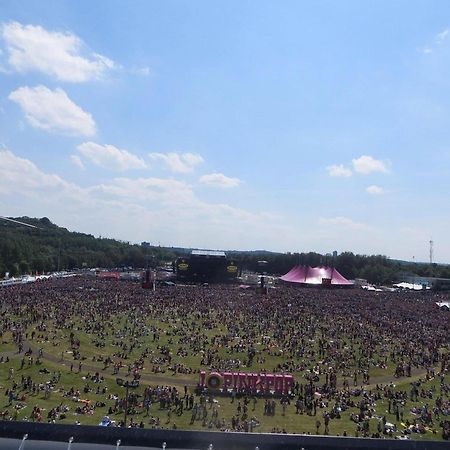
(34, 436)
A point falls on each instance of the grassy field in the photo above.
(291, 422)
(108, 339)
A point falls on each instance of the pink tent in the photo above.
(322, 275)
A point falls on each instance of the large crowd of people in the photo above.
(350, 351)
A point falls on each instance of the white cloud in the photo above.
(144, 71)
(442, 36)
(53, 111)
(367, 164)
(169, 192)
(339, 170)
(2, 69)
(439, 39)
(20, 177)
(134, 209)
(33, 48)
(76, 160)
(374, 190)
(176, 162)
(110, 157)
(219, 180)
(344, 222)
(19, 174)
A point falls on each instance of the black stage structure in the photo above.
(81, 437)
(206, 266)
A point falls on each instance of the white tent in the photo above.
(444, 305)
(410, 286)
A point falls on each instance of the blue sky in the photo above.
(289, 126)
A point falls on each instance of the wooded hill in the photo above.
(50, 248)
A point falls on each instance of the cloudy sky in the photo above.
(288, 126)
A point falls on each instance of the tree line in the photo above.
(50, 248)
(377, 269)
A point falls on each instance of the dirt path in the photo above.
(175, 380)
(86, 367)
